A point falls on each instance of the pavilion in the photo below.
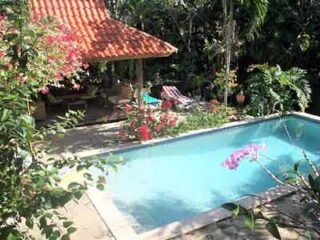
(102, 38)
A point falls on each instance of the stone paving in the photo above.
(90, 225)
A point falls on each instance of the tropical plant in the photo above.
(30, 180)
(271, 90)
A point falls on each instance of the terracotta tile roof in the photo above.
(100, 37)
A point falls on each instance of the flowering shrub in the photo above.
(31, 190)
(308, 189)
(144, 123)
(49, 53)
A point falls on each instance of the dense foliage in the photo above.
(30, 181)
(288, 37)
(273, 90)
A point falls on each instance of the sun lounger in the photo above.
(172, 93)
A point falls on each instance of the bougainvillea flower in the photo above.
(248, 151)
(76, 86)
(172, 122)
(44, 90)
(145, 133)
(85, 66)
(150, 119)
(158, 128)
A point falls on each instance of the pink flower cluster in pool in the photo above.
(251, 150)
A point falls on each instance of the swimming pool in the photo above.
(180, 178)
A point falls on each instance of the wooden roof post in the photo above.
(139, 79)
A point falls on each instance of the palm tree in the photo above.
(257, 11)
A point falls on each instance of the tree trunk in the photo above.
(228, 32)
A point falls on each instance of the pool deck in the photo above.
(91, 223)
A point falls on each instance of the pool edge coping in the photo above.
(119, 225)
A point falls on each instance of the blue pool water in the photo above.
(178, 179)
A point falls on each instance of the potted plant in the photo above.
(240, 97)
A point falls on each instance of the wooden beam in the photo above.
(139, 81)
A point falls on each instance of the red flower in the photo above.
(145, 133)
(150, 119)
(166, 105)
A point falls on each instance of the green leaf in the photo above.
(29, 222)
(11, 236)
(65, 237)
(232, 207)
(71, 230)
(273, 229)
(67, 224)
(78, 195)
(250, 221)
(55, 235)
(100, 186)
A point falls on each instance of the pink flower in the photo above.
(76, 86)
(59, 76)
(158, 128)
(21, 78)
(44, 90)
(172, 122)
(251, 150)
(50, 39)
(128, 108)
(85, 66)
